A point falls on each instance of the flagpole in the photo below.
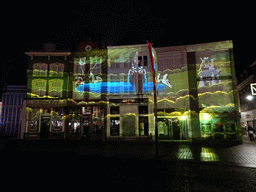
(155, 101)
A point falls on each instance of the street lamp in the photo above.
(249, 97)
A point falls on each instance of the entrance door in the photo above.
(143, 123)
(169, 128)
(175, 126)
(86, 126)
(45, 127)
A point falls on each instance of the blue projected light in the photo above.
(116, 87)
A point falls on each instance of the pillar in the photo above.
(193, 96)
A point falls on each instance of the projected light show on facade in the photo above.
(109, 93)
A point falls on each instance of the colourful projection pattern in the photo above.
(121, 63)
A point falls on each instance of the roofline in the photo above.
(41, 53)
(127, 46)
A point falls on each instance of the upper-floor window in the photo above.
(95, 65)
(39, 87)
(55, 87)
(81, 65)
(40, 69)
(56, 69)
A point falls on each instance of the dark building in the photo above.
(247, 95)
(14, 112)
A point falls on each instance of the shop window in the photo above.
(230, 127)
(206, 130)
(57, 121)
(114, 110)
(114, 126)
(218, 127)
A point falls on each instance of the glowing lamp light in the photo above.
(183, 117)
(206, 116)
(249, 97)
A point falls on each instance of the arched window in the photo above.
(55, 87)
(56, 69)
(39, 87)
(40, 69)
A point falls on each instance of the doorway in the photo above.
(143, 126)
(86, 124)
(93, 122)
(45, 127)
(171, 128)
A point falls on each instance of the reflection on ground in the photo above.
(206, 154)
(184, 152)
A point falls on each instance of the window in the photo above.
(95, 63)
(56, 69)
(114, 126)
(114, 110)
(39, 86)
(139, 61)
(55, 87)
(80, 65)
(143, 109)
(40, 69)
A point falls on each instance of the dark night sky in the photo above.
(26, 26)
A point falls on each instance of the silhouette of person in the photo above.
(250, 132)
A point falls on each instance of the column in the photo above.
(193, 101)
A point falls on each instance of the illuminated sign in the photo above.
(253, 88)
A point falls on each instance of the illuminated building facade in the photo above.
(196, 93)
(108, 93)
(48, 93)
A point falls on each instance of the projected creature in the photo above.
(95, 80)
(97, 85)
(208, 74)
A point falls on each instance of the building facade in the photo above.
(14, 112)
(246, 89)
(108, 93)
(48, 93)
(196, 93)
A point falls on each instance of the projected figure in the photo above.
(95, 80)
(165, 80)
(208, 74)
(79, 81)
(124, 87)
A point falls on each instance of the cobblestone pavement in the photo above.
(129, 166)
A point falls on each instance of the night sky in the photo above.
(26, 26)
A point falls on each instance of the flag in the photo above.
(153, 59)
